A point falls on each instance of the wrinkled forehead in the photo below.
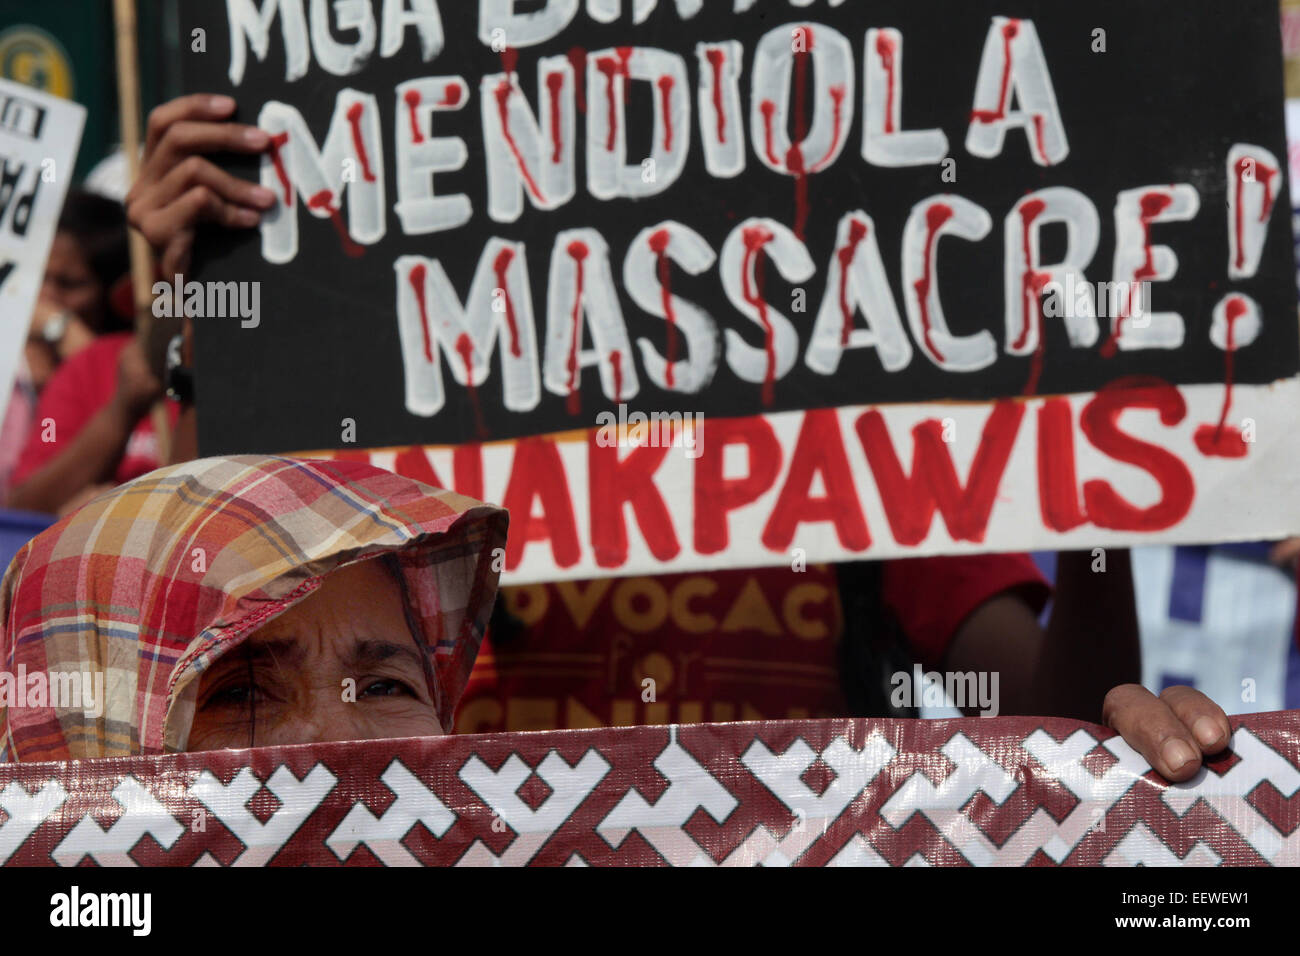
(359, 615)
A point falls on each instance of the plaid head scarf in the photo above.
(152, 582)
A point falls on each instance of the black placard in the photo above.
(1178, 84)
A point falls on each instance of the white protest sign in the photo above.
(39, 136)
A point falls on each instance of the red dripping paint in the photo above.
(1029, 278)
(325, 200)
(1235, 309)
(666, 98)
(1151, 204)
(609, 66)
(857, 232)
(716, 57)
(412, 98)
(885, 49)
(794, 163)
(500, 265)
(1032, 284)
(358, 144)
(578, 60)
(624, 56)
(554, 84)
(755, 238)
(1224, 440)
(1009, 31)
(465, 348)
(509, 60)
(837, 100)
(1038, 136)
(768, 109)
(935, 217)
(503, 113)
(613, 68)
(1266, 174)
(794, 159)
(277, 143)
(659, 246)
(579, 251)
(450, 96)
(416, 278)
(616, 360)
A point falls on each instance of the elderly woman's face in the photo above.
(341, 664)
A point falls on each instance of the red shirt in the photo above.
(719, 646)
(74, 394)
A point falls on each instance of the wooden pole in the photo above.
(142, 270)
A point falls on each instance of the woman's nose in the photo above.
(314, 721)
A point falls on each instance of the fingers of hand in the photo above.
(197, 171)
(1202, 716)
(198, 203)
(1149, 725)
(186, 138)
(196, 106)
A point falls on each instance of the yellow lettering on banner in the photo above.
(479, 716)
(578, 717)
(797, 713)
(749, 713)
(582, 603)
(622, 713)
(690, 712)
(527, 602)
(641, 621)
(751, 612)
(691, 621)
(721, 713)
(656, 713)
(796, 599)
(531, 713)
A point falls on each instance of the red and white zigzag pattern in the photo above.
(1006, 792)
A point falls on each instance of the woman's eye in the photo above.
(236, 695)
(387, 688)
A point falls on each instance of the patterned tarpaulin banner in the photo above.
(1003, 791)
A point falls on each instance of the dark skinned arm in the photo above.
(92, 456)
(1089, 646)
(88, 460)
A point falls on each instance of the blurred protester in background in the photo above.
(78, 301)
(88, 429)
